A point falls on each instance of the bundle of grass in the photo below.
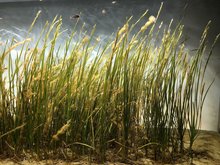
(133, 95)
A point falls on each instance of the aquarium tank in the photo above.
(109, 82)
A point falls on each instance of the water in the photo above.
(16, 17)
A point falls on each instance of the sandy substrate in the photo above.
(207, 147)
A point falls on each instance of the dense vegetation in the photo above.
(137, 93)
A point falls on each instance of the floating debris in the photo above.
(103, 11)
(114, 2)
(98, 39)
(76, 16)
(1, 18)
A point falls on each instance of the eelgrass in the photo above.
(133, 93)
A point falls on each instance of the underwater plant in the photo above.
(137, 92)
